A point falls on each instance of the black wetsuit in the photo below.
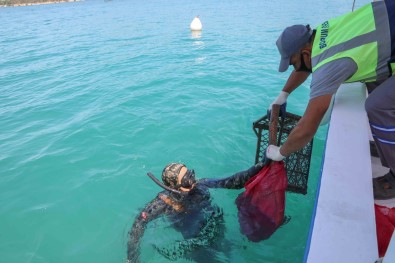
(192, 214)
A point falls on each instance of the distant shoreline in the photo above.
(10, 3)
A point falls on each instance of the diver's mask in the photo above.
(188, 180)
(174, 191)
(170, 177)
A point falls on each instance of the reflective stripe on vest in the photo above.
(363, 36)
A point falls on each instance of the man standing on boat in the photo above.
(355, 47)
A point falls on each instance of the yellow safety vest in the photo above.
(362, 35)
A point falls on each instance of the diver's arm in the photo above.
(211, 229)
(235, 181)
(152, 210)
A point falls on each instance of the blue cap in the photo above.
(290, 41)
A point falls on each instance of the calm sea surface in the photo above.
(95, 94)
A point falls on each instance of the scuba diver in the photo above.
(187, 204)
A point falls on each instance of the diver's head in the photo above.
(178, 176)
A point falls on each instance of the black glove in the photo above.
(265, 161)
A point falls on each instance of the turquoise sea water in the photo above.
(95, 94)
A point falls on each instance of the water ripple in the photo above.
(95, 94)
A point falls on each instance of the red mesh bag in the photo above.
(385, 224)
(261, 206)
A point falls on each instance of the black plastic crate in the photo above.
(298, 163)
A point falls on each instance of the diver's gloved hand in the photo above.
(261, 163)
(265, 161)
(280, 100)
(273, 153)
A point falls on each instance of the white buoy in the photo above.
(196, 25)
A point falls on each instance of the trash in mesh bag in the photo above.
(385, 225)
(261, 206)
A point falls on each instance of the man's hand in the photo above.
(280, 100)
(273, 153)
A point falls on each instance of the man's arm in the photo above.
(295, 80)
(324, 84)
(307, 126)
(236, 181)
(152, 210)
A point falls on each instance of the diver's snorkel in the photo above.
(162, 185)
